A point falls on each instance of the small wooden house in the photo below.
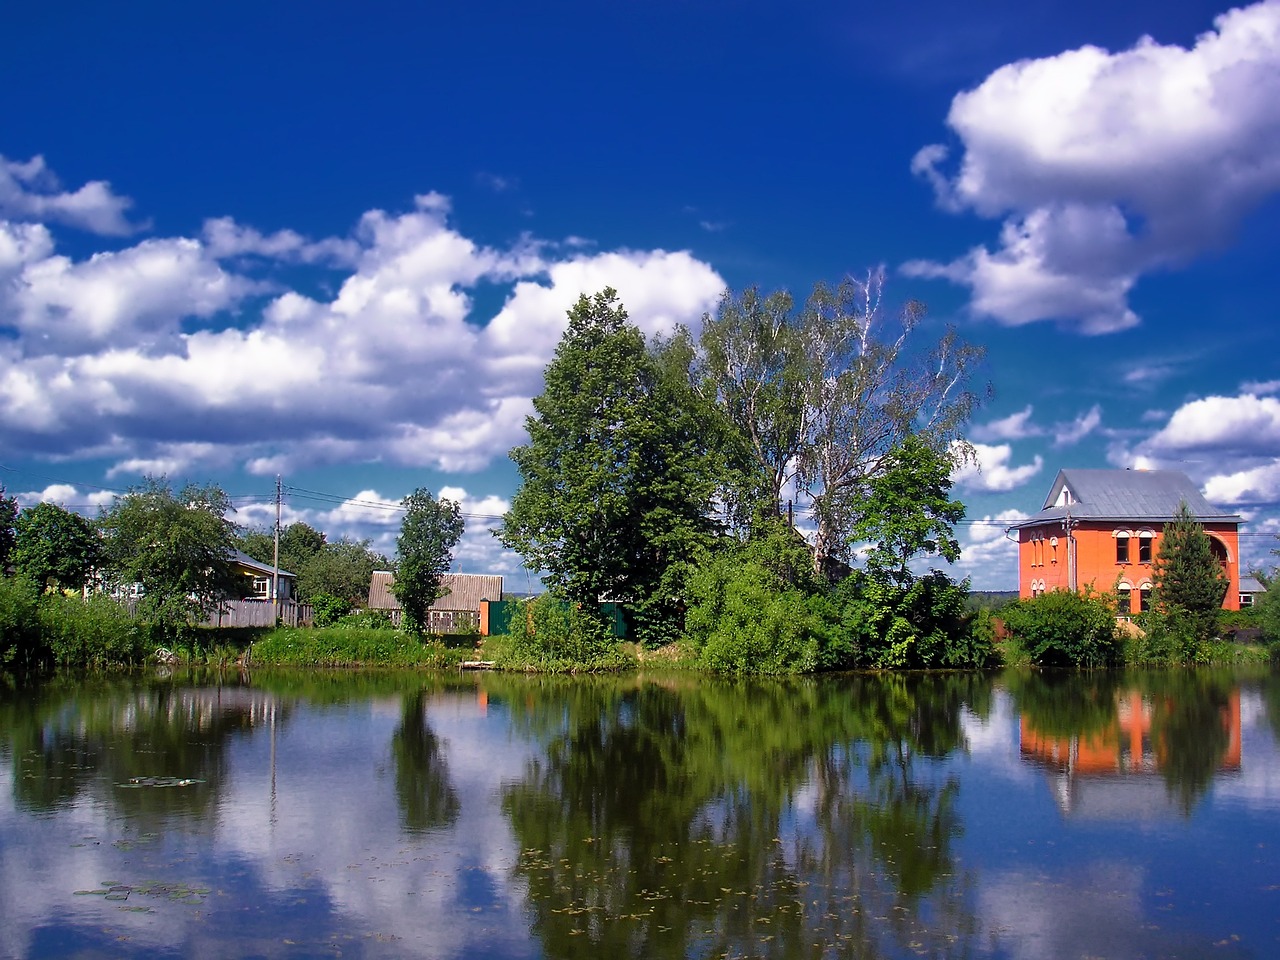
(456, 611)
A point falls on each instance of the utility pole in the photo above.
(275, 563)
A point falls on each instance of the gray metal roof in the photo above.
(463, 591)
(1142, 495)
(242, 558)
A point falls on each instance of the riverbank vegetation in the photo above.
(769, 495)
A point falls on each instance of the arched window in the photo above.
(1146, 538)
(1124, 598)
(1144, 598)
(1122, 545)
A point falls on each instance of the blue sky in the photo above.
(336, 242)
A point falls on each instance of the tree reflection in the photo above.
(690, 817)
(125, 743)
(1183, 726)
(426, 796)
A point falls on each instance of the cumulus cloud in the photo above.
(1016, 426)
(987, 556)
(1106, 166)
(1068, 434)
(176, 354)
(990, 471)
(30, 191)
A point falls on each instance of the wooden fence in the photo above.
(259, 613)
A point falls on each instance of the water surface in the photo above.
(402, 815)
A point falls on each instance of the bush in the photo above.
(1063, 628)
(346, 646)
(925, 623)
(556, 635)
(22, 646)
(326, 609)
(758, 609)
(94, 632)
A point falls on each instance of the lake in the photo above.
(656, 816)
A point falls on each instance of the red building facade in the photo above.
(1101, 529)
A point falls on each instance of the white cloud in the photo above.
(987, 556)
(1107, 166)
(1256, 485)
(1016, 426)
(990, 470)
(224, 238)
(1259, 387)
(30, 191)
(1067, 434)
(1246, 425)
(136, 352)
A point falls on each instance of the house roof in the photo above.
(1251, 585)
(1141, 495)
(244, 560)
(463, 591)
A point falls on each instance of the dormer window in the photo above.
(1065, 499)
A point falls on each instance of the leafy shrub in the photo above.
(93, 632)
(348, 646)
(758, 609)
(22, 646)
(924, 623)
(1063, 628)
(326, 609)
(558, 636)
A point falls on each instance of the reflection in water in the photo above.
(1112, 741)
(702, 819)
(673, 816)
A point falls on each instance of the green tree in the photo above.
(178, 546)
(56, 548)
(906, 510)
(866, 392)
(430, 530)
(751, 364)
(617, 478)
(1063, 628)
(300, 543)
(8, 517)
(343, 569)
(1188, 586)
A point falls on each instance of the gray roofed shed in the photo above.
(1144, 495)
(463, 592)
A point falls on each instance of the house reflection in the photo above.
(1153, 758)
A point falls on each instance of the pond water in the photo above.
(403, 815)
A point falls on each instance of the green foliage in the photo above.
(22, 646)
(343, 568)
(178, 546)
(556, 635)
(96, 632)
(757, 608)
(430, 530)
(906, 509)
(923, 623)
(326, 609)
(617, 477)
(56, 548)
(1189, 584)
(300, 544)
(751, 364)
(349, 646)
(1063, 628)
(8, 518)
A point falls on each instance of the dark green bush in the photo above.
(558, 636)
(1063, 628)
(326, 609)
(93, 632)
(22, 646)
(925, 623)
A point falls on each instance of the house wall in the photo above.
(1043, 564)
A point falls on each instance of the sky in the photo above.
(336, 243)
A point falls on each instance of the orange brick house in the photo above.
(1102, 529)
